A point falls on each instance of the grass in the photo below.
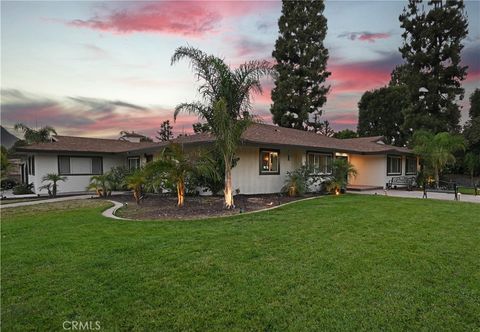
(466, 191)
(351, 262)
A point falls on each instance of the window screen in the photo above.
(394, 165)
(64, 165)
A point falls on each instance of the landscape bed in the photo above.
(348, 262)
(196, 207)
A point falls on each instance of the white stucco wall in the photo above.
(372, 170)
(48, 163)
(246, 177)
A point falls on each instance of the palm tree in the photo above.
(437, 150)
(53, 178)
(101, 184)
(223, 91)
(175, 166)
(135, 182)
(342, 169)
(32, 136)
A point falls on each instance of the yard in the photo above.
(348, 262)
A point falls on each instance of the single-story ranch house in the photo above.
(266, 154)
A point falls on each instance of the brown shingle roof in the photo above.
(86, 144)
(257, 134)
(263, 134)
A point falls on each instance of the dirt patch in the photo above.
(165, 207)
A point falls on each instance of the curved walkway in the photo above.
(110, 212)
(44, 201)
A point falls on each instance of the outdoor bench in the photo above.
(401, 181)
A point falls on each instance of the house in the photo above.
(265, 155)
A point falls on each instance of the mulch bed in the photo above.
(196, 207)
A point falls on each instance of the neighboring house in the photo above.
(266, 154)
(6, 138)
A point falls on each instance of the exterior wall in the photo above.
(246, 174)
(372, 170)
(48, 163)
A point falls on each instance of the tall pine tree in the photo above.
(300, 72)
(432, 42)
(166, 131)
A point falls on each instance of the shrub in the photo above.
(23, 189)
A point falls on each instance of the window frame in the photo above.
(401, 162)
(261, 171)
(320, 153)
(31, 165)
(79, 174)
(131, 158)
(414, 159)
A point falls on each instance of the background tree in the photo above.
(166, 132)
(432, 42)
(301, 60)
(5, 163)
(472, 165)
(380, 113)
(325, 129)
(32, 136)
(437, 150)
(345, 133)
(226, 101)
(474, 110)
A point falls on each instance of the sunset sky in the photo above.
(96, 68)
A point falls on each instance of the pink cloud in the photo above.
(357, 77)
(365, 36)
(186, 18)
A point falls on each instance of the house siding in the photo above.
(48, 163)
(246, 174)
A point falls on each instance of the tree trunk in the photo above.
(136, 195)
(228, 193)
(437, 178)
(54, 189)
(180, 193)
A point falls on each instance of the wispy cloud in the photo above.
(365, 36)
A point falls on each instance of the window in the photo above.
(80, 165)
(320, 163)
(394, 165)
(31, 165)
(411, 166)
(133, 163)
(148, 158)
(269, 162)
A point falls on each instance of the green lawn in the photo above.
(351, 262)
(466, 191)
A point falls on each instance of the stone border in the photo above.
(110, 212)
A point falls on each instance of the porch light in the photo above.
(339, 154)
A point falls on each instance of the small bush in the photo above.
(23, 189)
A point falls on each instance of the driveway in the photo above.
(419, 194)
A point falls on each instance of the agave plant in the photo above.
(53, 178)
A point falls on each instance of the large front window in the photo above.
(269, 162)
(411, 166)
(319, 163)
(68, 165)
(394, 165)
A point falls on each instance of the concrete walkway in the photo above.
(419, 194)
(110, 213)
(44, 201)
